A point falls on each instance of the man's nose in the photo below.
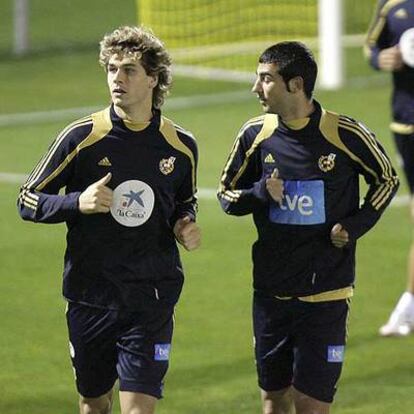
(256, 86)
(118, 76)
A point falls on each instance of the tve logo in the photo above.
(303, 204)
(162, 352)
(336, 353)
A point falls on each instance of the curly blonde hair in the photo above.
(141, 42)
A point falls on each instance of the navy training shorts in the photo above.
(299, 343)
(405, 146)
(106, 345)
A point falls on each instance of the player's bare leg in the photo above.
(410, 264)
(308, 405)
(277, 402)
(100, 405)
(136, 403)
(401, 321)
(410, 279)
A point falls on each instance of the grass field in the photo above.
(212, 369)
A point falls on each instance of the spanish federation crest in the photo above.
(327, 162)
(167, 165)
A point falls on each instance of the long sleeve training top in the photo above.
(127, 257)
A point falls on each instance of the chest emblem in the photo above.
(401, 14)
(167, 165)
(269, 159)
(133, 203)
(303, 203)
(132, 197)
(327, 162)
(104, 162)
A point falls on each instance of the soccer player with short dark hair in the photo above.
(296, 169)
(391, 20)
(129, 176)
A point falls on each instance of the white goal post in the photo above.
(330, 23)
(20, 27)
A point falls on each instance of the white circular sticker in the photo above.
(407, 47)
(132, 203)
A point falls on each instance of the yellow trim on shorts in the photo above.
(337, 294)
(400, 128)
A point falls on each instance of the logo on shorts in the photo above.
(162, 352)
(167, 165)
(132, 204)
(336, 353)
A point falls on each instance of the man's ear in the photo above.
(153, 81)
(295, 84)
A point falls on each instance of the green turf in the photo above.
(66, 25)
(212, 369)
(72, 24)
(44, 82)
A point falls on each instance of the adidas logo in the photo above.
(269, 159)
(401, 14)
(104, 162)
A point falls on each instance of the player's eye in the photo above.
(265, 78)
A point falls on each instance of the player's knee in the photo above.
(134, 411)
(277, 402)
(268, 409)
(101, 405)
(305, 404)
(138, 410)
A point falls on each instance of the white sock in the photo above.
(406, 304)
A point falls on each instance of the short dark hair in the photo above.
(293, 59)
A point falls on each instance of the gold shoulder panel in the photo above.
(169, 131)
(270, 123)
(329, 125)
(378, 23)
(101, 125)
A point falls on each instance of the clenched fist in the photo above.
(187, 233)
(390, 59)
(339, 236)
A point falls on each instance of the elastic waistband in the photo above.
(329, 295)
(403, 129)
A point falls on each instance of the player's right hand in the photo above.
(390, 59)
(274, 186)
(97, 198)
(187, 233)
(339, 236)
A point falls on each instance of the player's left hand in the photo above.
(339, 236)
(390, 59)
(187, 233)
(274, 186)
